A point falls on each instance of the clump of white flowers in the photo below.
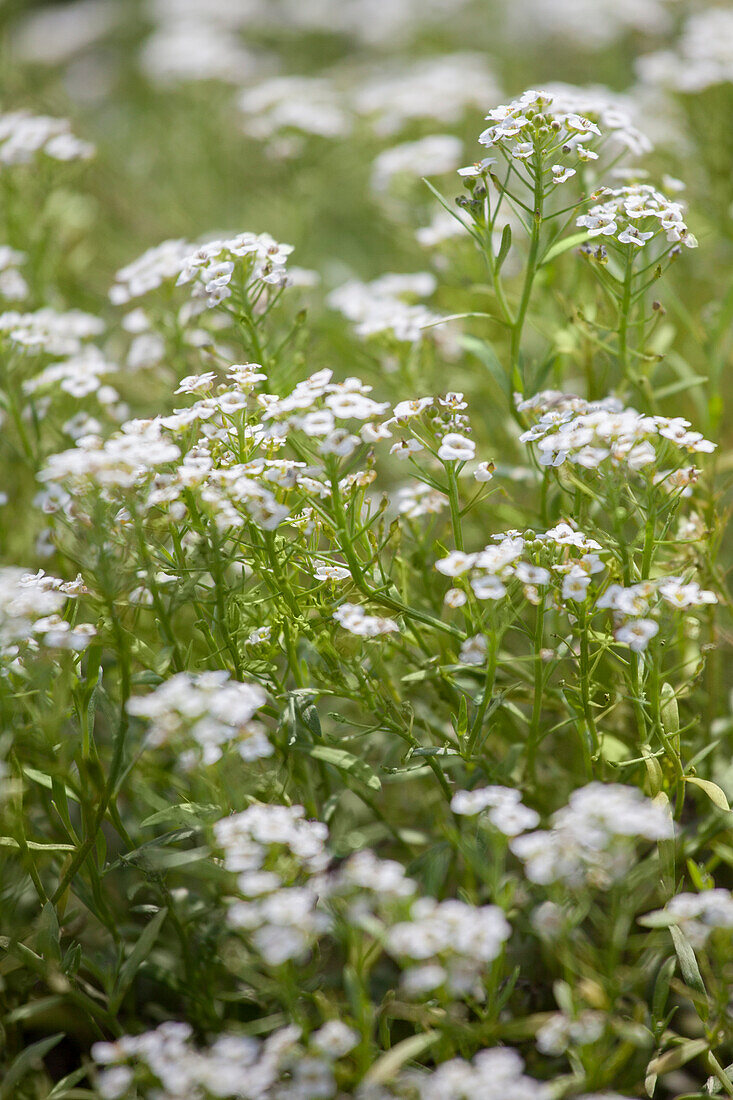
(24, 136)
(531, 129)
(13, 285)
(208, 267)
(286, 1064)
(502, 806)
(697, 915)
(590, 433)
(50, 332)
(379, 306)
(210, 709)
(636, 215)
(592, 838)
(30, 612)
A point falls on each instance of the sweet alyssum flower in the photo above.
(210, 709)
(591, 840)
(590, 433)
(352, 617)
(636, 214)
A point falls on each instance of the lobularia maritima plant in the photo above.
(346, 751)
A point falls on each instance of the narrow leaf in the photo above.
(25, 1061)
(712, 790)
(385, 1067)
(136, 958)
(345, 762)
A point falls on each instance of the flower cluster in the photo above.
(697, 915)
(234, 1065)
(591, 433)
(30, 606)
(502, 806)
(48, 331)
(429, 156)
(532, 129)
(703, 56)
(275, 851)
(24, 136)
(565, 562)
(449, 944)
(13, 285)
(208, 267)
(634, 215)
(379, 306)
(592, 838)
(209, 708)
(561, 1031)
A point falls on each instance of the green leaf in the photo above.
(25, 1061)
(136, 958)
(661, 987)
(48, 935)
(488, 357)
(506, 244)
(46, 781)
(184, 814)
(688, 963)
(446, 206)
(563, 245)
(36, 845)
(61, 1089)
(712, 790)
(678, 1056)
(345, 762)
(387, 1066)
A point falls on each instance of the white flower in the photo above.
(455, 563)
(353, 618)
(575, 585)
(455, 597)
(473, 650)
(331, 573)
(484, 471)
(637, 633)
(560, 173)
(456, 448)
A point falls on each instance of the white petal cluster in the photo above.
(591, 433)
(121, 461)
(274, 851)
(441, 88)
(429, 156)
(48, 331)
(379, 306)
(492, 1075)
(30, 612)
(702, 57)
(233, 1066)
(531, 126)
(566, 561)
(305, 104)
(592, 838)
(585, 24)
(208, 267)
(12, 283)
(636, 214)
(697, 915)
(450, 941)
(24, 136)
(503, 807)
(79, 375)
(353, 617)
(561, 1031)
(210, 709)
